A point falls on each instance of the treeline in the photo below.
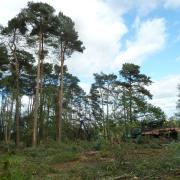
(42, 100)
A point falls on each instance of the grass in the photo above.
(92, 160)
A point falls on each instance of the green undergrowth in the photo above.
(92, 160)
(155, 161)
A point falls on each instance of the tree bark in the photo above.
(41, 118)
(17, 108)
(60, 99)
(10, 119)
(6, 121)
(41, 115)
(17, 71)
(37, 96)
(107, 115)
(130, 102)
(17, 113)
(1, 116)
(103, 118)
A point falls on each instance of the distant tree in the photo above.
(101, 91)
(97, 106)
(153, 117)
(134, 87)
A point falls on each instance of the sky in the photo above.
(143, 32)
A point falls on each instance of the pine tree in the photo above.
(134, 84)
(39, 16)
(67, 41)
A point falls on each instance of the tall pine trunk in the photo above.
(37, 94)
(60, 99)
(41, 114)
(130, 103)
(17, 113)
(17, 92)
(107, 115)
(10, 119)
(1, 116)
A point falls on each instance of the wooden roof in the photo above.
(158, 131)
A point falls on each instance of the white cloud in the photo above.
(145, 7)
(101, 30)
(172, 4)
(9, 9)
(150, 37)
(142, 7)
(99, 26)
(165, 93)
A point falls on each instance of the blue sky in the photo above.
(144, 32)
(167, 60)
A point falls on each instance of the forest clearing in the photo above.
(63, 116)
(93, 160)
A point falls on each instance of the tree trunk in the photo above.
(6, 120)
(48, 116)
(17, 109)
(103, 118)
(125, 112)
(1, 116)
(17, 71)
(41, 118)
(3, 110)
(37, 96)
(41, 115)
(10, 119)
(107, 115)
(60, 99)
(130, 103)
(17, 113)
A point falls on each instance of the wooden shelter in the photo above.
(165, 132)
